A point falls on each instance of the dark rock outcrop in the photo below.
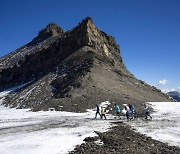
(72, 70)
(121, 139)
(51, 29)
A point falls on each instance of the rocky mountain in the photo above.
(71, 70)
(175, 95)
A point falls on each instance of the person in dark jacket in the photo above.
(97, 111)
(132, 111)
(128, 112)
(131, 107)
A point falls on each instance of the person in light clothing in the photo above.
(147, 112)
(103, 112)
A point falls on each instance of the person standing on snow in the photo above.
(103, 112)
(132, 110)
(127, 112)
(131, 107)
(97, 111)
(117, 110)
(147, 112)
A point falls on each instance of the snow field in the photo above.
(50, 132)
(165, 125)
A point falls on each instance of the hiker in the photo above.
(128, 112)
(132, 110)
(97, 111)
(147, 112)
(131, 107)
(103, 112)
(117, 109)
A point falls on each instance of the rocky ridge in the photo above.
(72, 71)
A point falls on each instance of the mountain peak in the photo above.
(72, 71)
(86, 26)
(175, 95)
(88, 34)
(87, 20)
(52, 29)
(88, 23)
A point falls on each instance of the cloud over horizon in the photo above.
(163, 82)
(168, 90)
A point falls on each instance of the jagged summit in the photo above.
(71, 71)
(89, 35)
(86, 21)
(88, 24)
(52, 29)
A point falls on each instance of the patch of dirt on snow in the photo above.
(121, 139)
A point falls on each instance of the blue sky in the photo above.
(148, 31)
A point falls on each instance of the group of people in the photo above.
(101, 113)
(128, 111)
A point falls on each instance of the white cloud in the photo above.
(163, 82)
(168, 90)
(165, 90)
(173, 90)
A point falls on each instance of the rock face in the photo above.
(72, 71)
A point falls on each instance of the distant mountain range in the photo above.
(175, 95)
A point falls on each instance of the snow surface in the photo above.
(51, 132)
(165, 125)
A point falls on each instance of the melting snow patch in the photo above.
(165, 125)
(23, 131)
(45, 132)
